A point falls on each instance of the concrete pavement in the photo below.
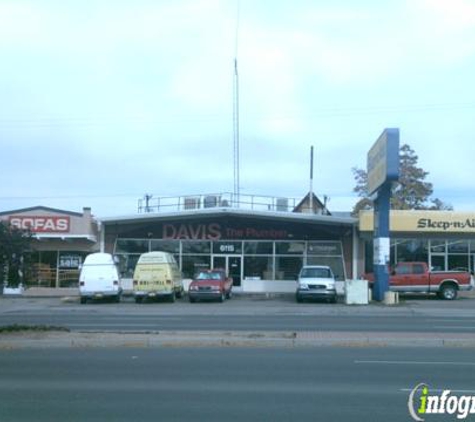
(281, 339)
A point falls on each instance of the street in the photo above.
(224, 384)
(243, 314)
(245, 359)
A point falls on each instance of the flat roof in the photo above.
(235, 212)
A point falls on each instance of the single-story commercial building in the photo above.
(61, 240)
(262, 246)
(443, 239)
(263, 250)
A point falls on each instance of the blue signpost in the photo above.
(383, 170)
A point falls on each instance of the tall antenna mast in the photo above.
(311, 180)
(236, 152)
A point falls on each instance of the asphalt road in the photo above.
(225, 384)
(242, 315)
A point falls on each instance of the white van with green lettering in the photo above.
(157, 275)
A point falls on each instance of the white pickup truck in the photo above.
(316, 282)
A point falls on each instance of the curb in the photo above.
(36, 340)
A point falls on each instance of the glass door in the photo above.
(232, 264)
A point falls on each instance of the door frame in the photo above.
(227, 257)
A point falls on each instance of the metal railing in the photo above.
(216, 200)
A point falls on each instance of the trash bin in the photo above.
(356, 292)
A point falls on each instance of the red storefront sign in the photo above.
(40, 224)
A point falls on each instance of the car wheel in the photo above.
(138, 299)
(83, 300)
(448, 292)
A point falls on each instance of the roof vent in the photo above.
(192, 203)
(282, 204)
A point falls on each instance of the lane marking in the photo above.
(458, 327)
(461, 319)
(440, 390)
(409, 362)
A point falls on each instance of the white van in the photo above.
(157, 274)
(99, 278)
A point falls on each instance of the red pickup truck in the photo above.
(211, 284)
(409, 277)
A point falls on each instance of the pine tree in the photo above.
(14, 246)
(411, 192)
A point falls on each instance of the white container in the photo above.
(356, 292)
(391, 298)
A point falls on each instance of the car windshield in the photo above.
(209, 276)
(316, 273)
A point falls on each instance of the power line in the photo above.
(325, 111)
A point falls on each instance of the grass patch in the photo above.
(16, 328)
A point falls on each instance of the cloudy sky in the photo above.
(103, 101)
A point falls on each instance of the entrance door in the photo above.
(232, 264)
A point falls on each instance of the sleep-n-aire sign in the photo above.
(383, 160)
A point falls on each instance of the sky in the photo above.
(104, 101)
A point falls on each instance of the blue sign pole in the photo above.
(383, 169)
(381, 241)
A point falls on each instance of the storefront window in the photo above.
(171, 246)
(459, 262)
(287, 267)
(43, 269)
(289, 248)
(335, 263)
(437, 262)
(258, 266)
(127, 263)
(258, 248)
(192, 264)
(196, 247)
(324, 248)
(438, 246)
(68, 268)
(458, 246)
(411, 250)
(131, 246)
